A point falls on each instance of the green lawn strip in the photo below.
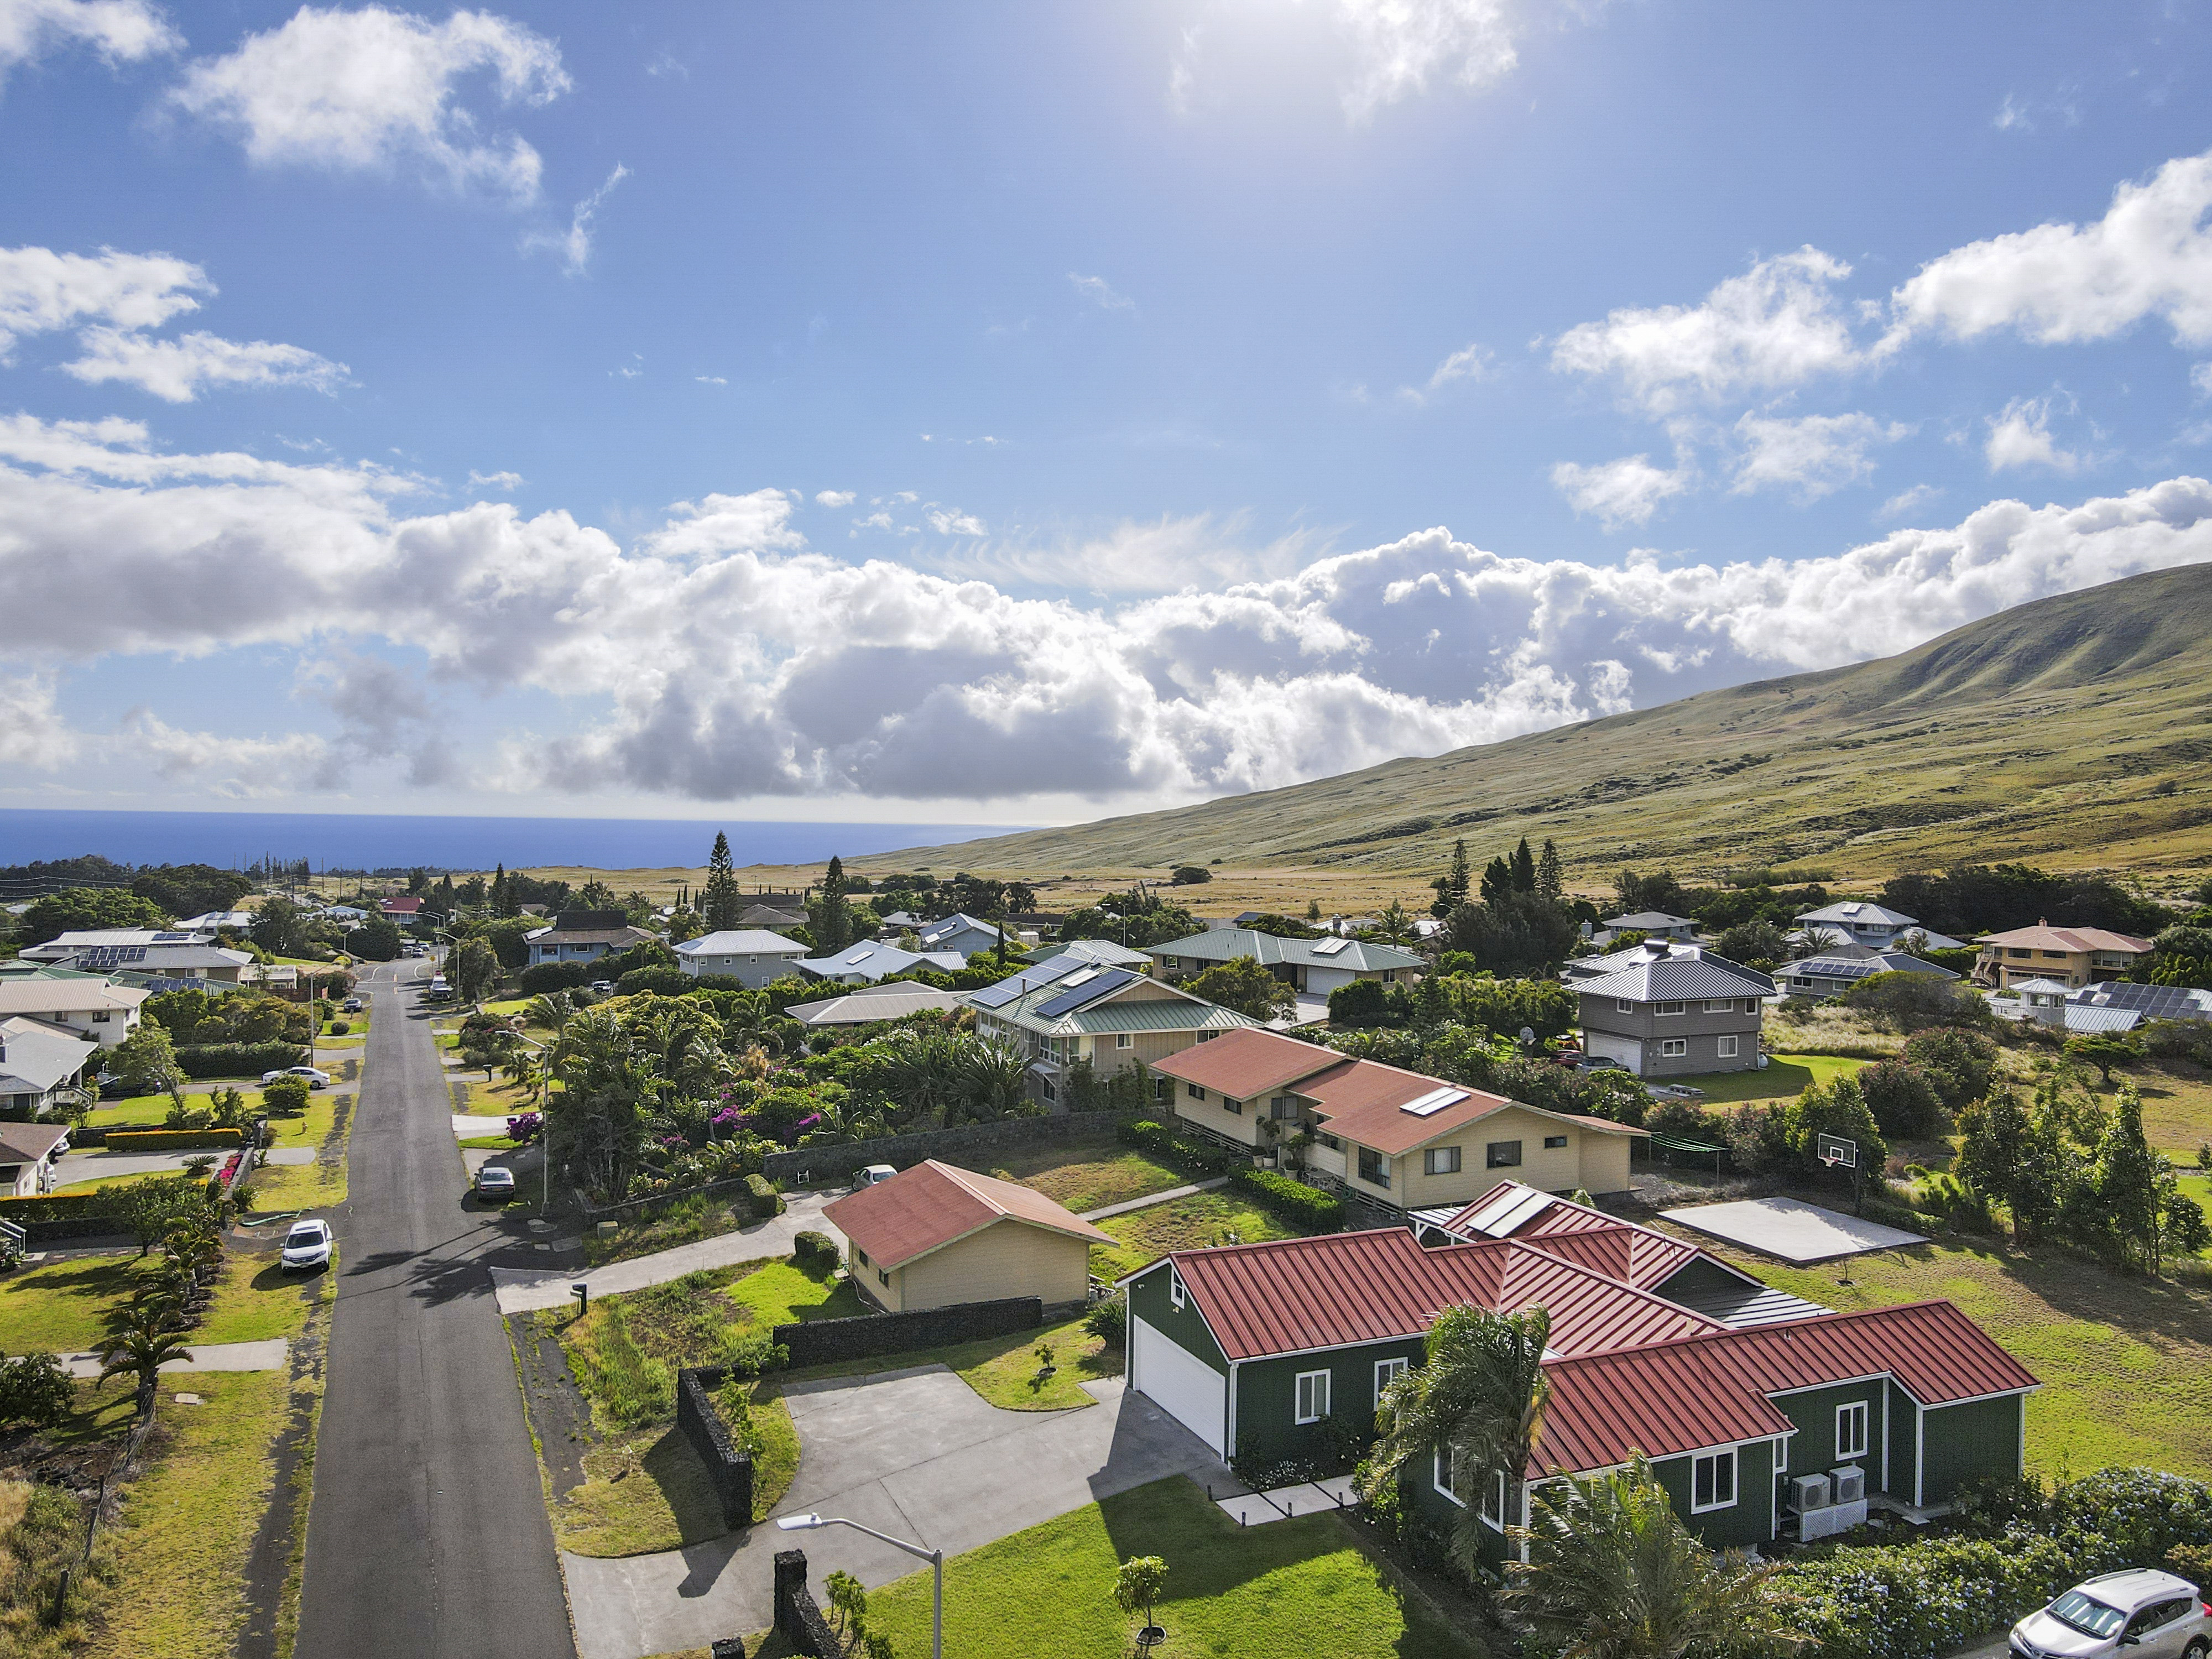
(304, 1186)
(100, 1183)
(188, 1521)
(61, 1308)
(2126, 1362)
(492, 1144)
(2177, 1097)
(1296, 1586)
(1182, 1223)
(152, 1111)
(1786, 1077)
(1003, 1370)
(1089, 1175)
(646, 1490)
(483, 1099)
(256, 1300)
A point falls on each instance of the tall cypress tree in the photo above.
(501, 900)
(833, 922)
(1550, 880)
(723, 901)
(1524, 868)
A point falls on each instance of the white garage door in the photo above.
(1179, 1383)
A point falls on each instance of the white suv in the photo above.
(2156, 1614)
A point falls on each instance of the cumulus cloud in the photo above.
(177, 370)
(574, 245)
(41, 290)
(833, 498)
(1623, 492)
(1908, 501)
(1812, 455)
(375, 89)
(718, 656)
(2021, 436)
(1163, 556)
(121, 31)
(32, 733)
(951, 521)
(1100, 292)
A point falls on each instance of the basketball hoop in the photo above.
(1836, 1151)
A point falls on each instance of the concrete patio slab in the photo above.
(1794, 1232)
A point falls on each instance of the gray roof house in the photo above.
(1676, 1010)
(1834, 972)
(1862, 921)
(1314, 965)
(1103, 951)
(1648, 922)
(583, 936)
(967, 934)
(38, 1065)
(181, 953)
(83, 1004)
(864, 1005)
(1067, 1009)
(27, 1151)
(746, 954)
(866, 963)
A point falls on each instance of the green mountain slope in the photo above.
(2075, 731)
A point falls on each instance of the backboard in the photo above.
(1837, 1152)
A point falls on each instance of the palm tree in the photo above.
(1477, 1399)
(138, 1345)
(1612, 1573)
(551, 1010)
(993, 1079)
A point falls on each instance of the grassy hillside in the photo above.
(2073, 732)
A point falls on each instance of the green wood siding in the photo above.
(1418, 1484)
(1149, 1301)
(1970, 1443)
(1749, 1521)
(1267, 1400)
(1813, 1448)
(1903, 1445)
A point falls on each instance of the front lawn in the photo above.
(2126, 1362)
(62, 1308)
(1182, 1223)
(644, 1489)
(152, 1111)
(1298, 1586)
(1004, 1370)
(1089, 1174)
(256, 1300)
(308, 1186)
(1785, 1078)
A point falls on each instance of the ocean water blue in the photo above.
(367, 841)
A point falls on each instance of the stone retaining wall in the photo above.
(822, 1341)
(804, 1164)
(729, 1467)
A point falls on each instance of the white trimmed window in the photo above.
(1623, 1006)
(1123, 1040)
(1728, 1048)
(1674, 1047)
(1851, 1430)
(1440, 1160)
(1387, 1371)
(1311, 1403)
(1751, 1005)
(1720, 1005)
(1492, 1509)
(1712, 1481)
(1440, 1478)
(1174, 1287)
(1673, 1007)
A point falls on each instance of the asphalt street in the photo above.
(427, 1535)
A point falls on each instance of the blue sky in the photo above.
(1031, 412)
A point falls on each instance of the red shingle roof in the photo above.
(931, 1204)
(1295, 1295)
(1679, 1396)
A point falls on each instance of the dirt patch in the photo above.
(331, 1152)
(560, 1416)
(278, 1558)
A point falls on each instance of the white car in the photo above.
(315, 1079)
(2155, 1614)
(872, 1173)
(307, 1245)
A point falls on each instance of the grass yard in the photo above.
(307, 1186)
(1183, 1224)
(645, 1490)
(2126, 1362)
(1089, 1174)
(684, 1223)
(99, 1183)
(2177, 1097)
(1828, 1028)
(189, 1522)
(41, 1535)
(152, 1111)
(1298, 1586)
(256, 1300)
(1786, 1077)
(1004, 1369)
(61, 1308)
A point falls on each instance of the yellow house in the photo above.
(2072, 956)
(1393, 1137)
(933, 1235)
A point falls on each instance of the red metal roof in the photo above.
(1299, 1294)
(1677, 1396)
(921, 1209)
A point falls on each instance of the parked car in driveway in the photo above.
(315, 1079)
(307, 1245)
(872, 1173)
(2155, 1614)
(495, 1181)
(351, 1006)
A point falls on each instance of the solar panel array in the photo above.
(2151, 1001)
(1109, 980)
(110, 955)
(1021, 984)
(1330, 947)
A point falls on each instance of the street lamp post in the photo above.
(935, 1558)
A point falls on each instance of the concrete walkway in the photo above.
(915, 1452)
(206, 1357)
(1150, 1199)
(73, 1169)
(521, 1290)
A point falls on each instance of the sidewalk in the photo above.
(267, 1356)
(1150, 1199)
(522, 1289)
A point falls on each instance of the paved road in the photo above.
(427, 1535)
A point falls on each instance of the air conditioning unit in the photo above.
(1850, 1484)
(1809, 1492)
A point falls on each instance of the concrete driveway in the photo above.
(915, 1452)
(72, 1169)
(522, 1289)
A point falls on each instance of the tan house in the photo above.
(1068, 1009)
(2075, 957)
(1392, 1137)
(933, 1235)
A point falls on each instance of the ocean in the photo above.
(369, 841)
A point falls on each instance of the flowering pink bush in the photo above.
(525, 1125)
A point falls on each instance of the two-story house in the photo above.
(1762, 1415)
(871, 960)
(751, 956)
(1862, 921)
(583, 936)
(168, 952)
(2072, 956)
(1833, 972)
(89, 1006)
(1394, 1138)
(41, 1066)
(1065, 1011)
(1316, 966)
(1671, 1010)
(964, 934)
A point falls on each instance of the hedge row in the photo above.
(1293, 1201)
(237, 1059)
(1162, 1142)
(155, 1141)
(54, 1206)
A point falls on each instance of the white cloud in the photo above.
(375, 89)
(1471, 363)
(1163, 556)
(2021, 436)
(31, 731)
(2150, 256)
(719, 657)
(41, 290)
(1814, 455)
(2012, 116)
(874, 521)
(712, 380)
(951, 521)
(121, 31)
(1908, 501)
(1774, 326)
(1097, 290)
(493, 480)
(1622, 492)
(574, 245)
(179, 369)
(1399, 45)
(833, 498)
(2200, 376)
